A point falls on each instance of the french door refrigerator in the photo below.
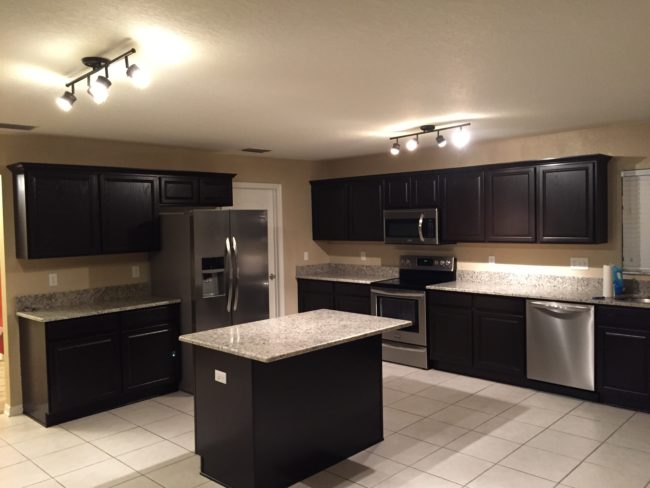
(216, 262)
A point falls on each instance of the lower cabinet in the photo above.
(72, 368)
(478, 334)
(345, 297)
(623, 356)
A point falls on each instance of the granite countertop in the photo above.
(346, 273)
(283, 337)
(341, 278)
(539, 292)
(96, 308)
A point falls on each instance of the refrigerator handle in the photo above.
(229, 274)
(236, 254)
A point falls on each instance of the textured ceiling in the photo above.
(314, 79)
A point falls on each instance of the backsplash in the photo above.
(532, 280)
(81, 297)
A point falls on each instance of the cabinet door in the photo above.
(565, 212)
(215, 190)
(329, 209)
(84, 371)
(62, 214)
(365, 210)
(450, 335)
(510, 205)
(179, 190)
(500, 343)
(314, 295)
(462, 210)
(398, 192)
(150, 357)
(623, 367)
(352, 297)
(129, 213)
(425, 191)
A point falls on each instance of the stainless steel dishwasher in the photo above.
(560, 343)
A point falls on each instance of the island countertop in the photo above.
(283, 337)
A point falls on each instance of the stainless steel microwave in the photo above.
(413, 226)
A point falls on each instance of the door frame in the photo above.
(277, 235)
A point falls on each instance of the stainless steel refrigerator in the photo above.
(216, 261)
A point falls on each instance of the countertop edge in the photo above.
(359, 281)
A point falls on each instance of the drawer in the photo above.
(511, 305)
(147, 317)
(623, 318)
(84, 326)
(352, 289)
(449, 299)
(316, 286)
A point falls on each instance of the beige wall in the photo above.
(629, 144)
(28, 277)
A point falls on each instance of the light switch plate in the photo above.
(135, 271)
(305, 256)
(491, 260)
(53, 279)
(220, 376)
(363, 255)
(579, 263)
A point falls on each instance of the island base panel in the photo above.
(274, 424)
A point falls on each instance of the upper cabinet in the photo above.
(572, 202)
(397, 192)
(365, 210)
(462, 206)
(329, 210)
(510, 204)
(418, 190)
(69, 210)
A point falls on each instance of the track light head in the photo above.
(98, 89)
(66, 101)
(460, 138)
(440, 140)
(395, 149)
(138, 76)
(412, 144)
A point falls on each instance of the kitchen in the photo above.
(624, 137)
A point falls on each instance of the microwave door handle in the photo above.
(420, 221)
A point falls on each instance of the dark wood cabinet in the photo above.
(345, 297)
(572, 202)
(365, 210)
(179, 190)
(623, 356)
(450, 332)
(398, 192)
(500, 343)
(216, 190)
(425, 190)
(510, 205)
(463, 218)
(129, 213)
(57, 213)
(72, 368)
(329, 208)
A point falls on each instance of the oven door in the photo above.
(406, 305)
(411, 226)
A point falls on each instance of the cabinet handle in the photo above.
(630, 336)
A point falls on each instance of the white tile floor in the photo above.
(441, 430)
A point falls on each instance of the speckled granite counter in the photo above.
(99, 308)
(347, 273)
(279, 338)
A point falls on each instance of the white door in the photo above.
(262, 196)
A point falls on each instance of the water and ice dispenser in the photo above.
(213, 276)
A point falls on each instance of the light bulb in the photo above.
(442, 142)
(99, 89)
(65, 101)
(138, 76)
(412, 144)
(460, 138)
(395, 149)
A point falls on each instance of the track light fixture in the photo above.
(459, 137)
(98, 88)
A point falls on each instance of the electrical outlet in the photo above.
(53, 279)
(220, 376)
(363, 255)
(491, 260)
(305, 256)
(579, 263)
(135, 271)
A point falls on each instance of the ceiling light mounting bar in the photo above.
(98, 64)
(428, 129)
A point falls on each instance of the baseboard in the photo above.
(13, 411)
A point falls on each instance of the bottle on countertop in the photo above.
(617, 279)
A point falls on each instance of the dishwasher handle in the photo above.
(553, 307)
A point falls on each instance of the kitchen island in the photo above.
(278, 400)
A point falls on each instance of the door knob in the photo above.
(272, 276)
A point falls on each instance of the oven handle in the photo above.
(399, 294)
(420, 221)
